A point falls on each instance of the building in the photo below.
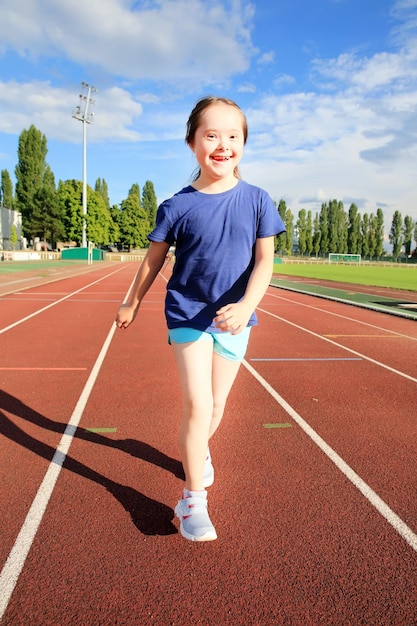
(9, 219)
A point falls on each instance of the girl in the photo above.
(224, 232)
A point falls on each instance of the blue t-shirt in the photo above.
(215, 236)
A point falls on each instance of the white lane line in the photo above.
(15, 561)
(373, 498)
(306, 359)
(45, 308)
(344, 317)
(339, 345)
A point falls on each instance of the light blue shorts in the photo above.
(232, 347)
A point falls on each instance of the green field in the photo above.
(396, 276)
(11, 267)
(399, 276)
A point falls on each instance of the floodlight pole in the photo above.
(81, 113)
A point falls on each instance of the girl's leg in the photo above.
(224, 373)
(194, 362)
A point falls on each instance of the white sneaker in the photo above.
(191, 510)
(208, 474)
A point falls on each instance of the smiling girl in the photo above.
(223, 229)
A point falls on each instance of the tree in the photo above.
(135, 191)
(354, 230)
(415, 237)
(395, 234)
(6, 191)
(29, 171)
(14, 236)
(372, 241)
(289, 226)
(365, 235)
(316, 235)
(337, 227)
(301, 226)
(149, 202)
(309, 233)
(333, 228)
(408, 233)
(70, 203)
(99, 219)
(324, 230)
(116, 214)
(102, 188)
(379, 235)
(47, 216)
(280, 240)
(134, 223)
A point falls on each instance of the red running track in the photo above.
(315, 493)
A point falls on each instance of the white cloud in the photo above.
(266, 58)
(283, 79)
(357, 139)
(50, 108)
(167, 40)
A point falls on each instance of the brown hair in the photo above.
(194, 121)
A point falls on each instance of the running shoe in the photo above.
(191, 510)
(208, 474)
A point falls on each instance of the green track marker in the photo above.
(280, 425)
(100, 430)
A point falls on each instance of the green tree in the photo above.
(280, 240)
(149, 202)
(134, 223)
(379, 235)
(100, 226)
(6, 190)
(395, 235)
(70, 203)
(372, 236)
(337, 227)
(354, 230)
(324, 230)
(14, 236)
(333, 227)
(135, 191)
(47, 217)
(309, 233)
(29, 172)
(408, 233)
(116, 216)
(102, 188)
(301, 226)
(415, 237)
(365, 235)
(99, 219)
(289, 225)
(316, 235)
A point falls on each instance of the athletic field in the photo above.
(400, 276)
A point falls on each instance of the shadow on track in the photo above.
(149, 516)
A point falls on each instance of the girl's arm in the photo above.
(145, 276)
(234, 317)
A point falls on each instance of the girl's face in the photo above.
(218, 142)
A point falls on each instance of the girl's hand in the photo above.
(125, 315)
(232, 318)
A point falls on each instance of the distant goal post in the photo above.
(344, 258)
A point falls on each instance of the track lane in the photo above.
(369, 333)
(291, 528)
(369, 414)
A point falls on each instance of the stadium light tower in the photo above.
(82, 114)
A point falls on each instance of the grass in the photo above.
(11, 267)
(397, 277)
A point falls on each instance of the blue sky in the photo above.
(329, 88)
